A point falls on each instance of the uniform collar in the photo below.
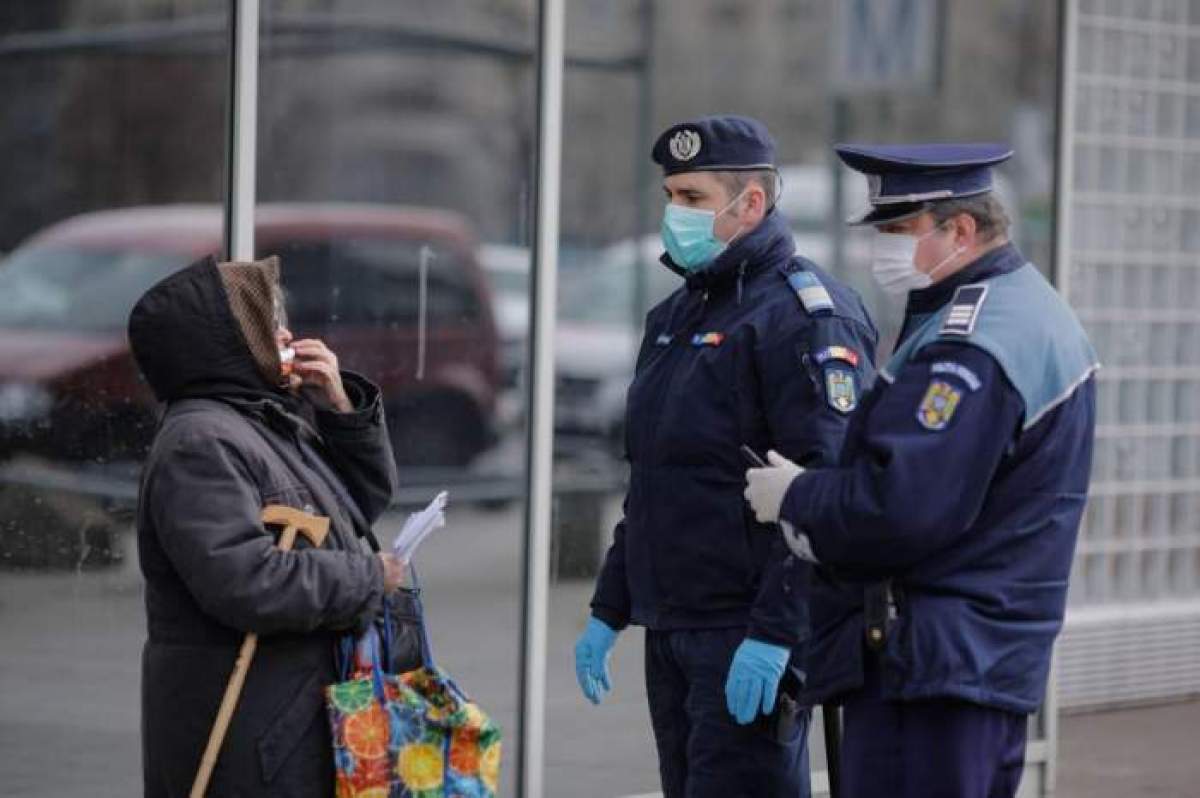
(1001, 260)
(770, 242)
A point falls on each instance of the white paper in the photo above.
(419, 526)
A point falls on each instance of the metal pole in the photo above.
(1060, 268)
(1065, 152)
(243, 130)
(643, 260)
(540, 433)
(837, 216)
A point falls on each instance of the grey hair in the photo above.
(735, 182)
(991, 220)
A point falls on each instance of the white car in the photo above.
(507, 267)
(598, 337)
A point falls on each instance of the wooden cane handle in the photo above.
(313, 527)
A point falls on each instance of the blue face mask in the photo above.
(687, 233)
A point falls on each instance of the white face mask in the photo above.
(893, 262)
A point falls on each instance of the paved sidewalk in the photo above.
(1148, 751)
(70, 645)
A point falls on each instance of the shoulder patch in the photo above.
(958, 370)
(938, 405)
(808, 288)
(840, 390)
(964, 310)
(836, 353)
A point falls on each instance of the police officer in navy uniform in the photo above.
(945, 534)
(759, 348)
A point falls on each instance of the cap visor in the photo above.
(887, 214)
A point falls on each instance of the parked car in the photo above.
(69, 388)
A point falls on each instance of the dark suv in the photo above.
(68, 385)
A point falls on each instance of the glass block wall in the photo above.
(1134, 278)
(1129, 261)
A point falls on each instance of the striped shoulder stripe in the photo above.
(964, 310)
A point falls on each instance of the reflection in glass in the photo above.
(394, 160)
(101, 128)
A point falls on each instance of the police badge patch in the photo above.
(839, 389)
(938, 406)
(684, 145)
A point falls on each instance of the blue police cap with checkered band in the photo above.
(903, 179)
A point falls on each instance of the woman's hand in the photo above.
(394, 571)
(316, 368)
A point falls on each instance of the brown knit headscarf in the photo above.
(256, 299)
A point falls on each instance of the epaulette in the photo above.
(808, 288)
(964, 310)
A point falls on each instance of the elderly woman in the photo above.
(242, 429)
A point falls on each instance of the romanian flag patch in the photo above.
(708, 339)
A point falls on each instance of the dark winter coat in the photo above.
(963, 482)
(744, 354)
(228, 445)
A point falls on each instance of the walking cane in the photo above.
(831, 720)
(293, 521)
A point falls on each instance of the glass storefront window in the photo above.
(100, 140)
(394, 166)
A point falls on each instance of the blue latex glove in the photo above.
(753, 680)
(591, 659)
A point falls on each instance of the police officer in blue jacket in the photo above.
(946, 532)
(761, 348)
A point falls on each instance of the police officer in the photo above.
(956, 505)
(761, 348)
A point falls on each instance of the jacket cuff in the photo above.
(366, 400)
(615, 620)
(762, 634)
(797, 508)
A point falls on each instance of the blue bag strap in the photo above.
(378, 638)
(423, 633)
(344, 656)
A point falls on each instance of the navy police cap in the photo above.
(715, 143)
(903, 179)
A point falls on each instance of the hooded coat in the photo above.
(230, 442)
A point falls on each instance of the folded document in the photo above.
(418, 527)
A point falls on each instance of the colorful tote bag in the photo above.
(411, 735)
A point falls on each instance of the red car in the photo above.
(69, 388)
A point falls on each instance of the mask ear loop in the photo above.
(719, 213)
(957, 251)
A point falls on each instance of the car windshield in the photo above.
(601, 291)
(55, 288)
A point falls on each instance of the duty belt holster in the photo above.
(877, 612)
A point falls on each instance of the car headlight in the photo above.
(23, 401)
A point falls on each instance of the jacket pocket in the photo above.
(281, 737)
(702, 550)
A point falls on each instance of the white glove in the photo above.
(766, 487)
